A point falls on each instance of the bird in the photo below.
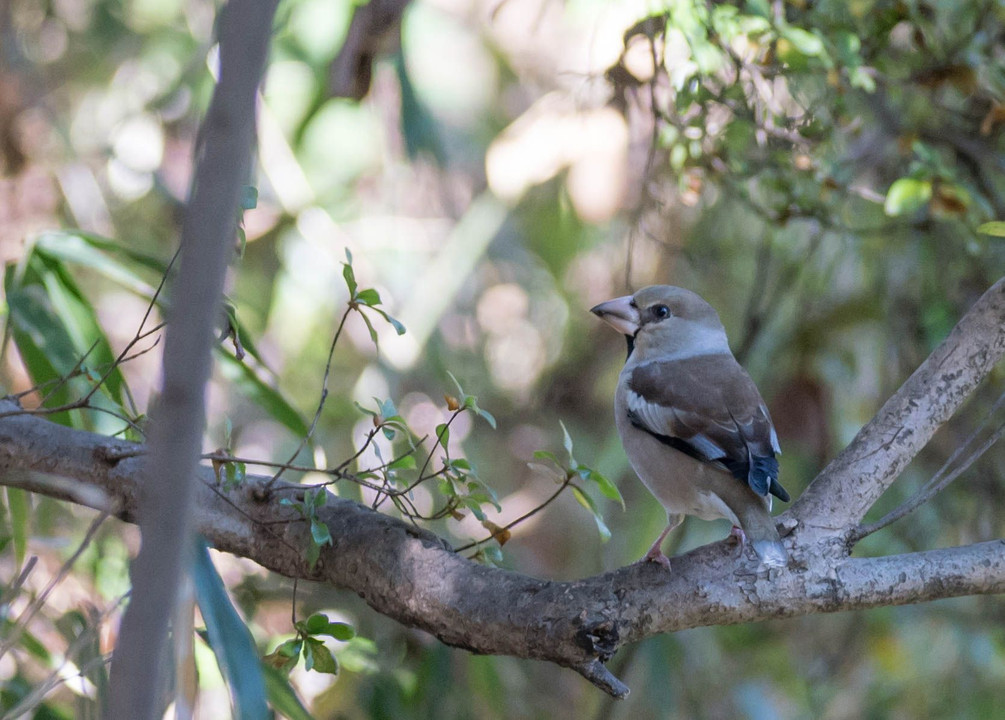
(692, 422)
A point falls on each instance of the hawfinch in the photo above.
(692, 423)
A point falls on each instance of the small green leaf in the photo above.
(471, 403)
(234, 474)
(492, 555)
(319, 658)
(320, 533)
(285, 656)
(398, 327)
(249, 197)
(369, 327)
(340, 631)
(804, 41)
(443, 434)
(350, 278)
(476, 508)
(315, 500)
(995, 228)
(368, 297)
(316, 623)
(606, 487)
(587, 502)
(567, 444)
(907, 195)
(405, 462)
(488, 417)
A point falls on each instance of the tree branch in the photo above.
(223, 164)
(414, 577)
(842, 494)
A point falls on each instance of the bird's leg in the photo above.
(655, 553)
(741, 538)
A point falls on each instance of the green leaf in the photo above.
(369, 327)
(19, 506)
(285, 656)
(907, 195)
(318, 657)
(320, 533)
(567, 444)
(96, 253)
(312, 554)
(54, 326)
(405, 462)
(488, 417)
(606, 487)
(492, 555)
(340, 631)
(68, 243)
(995, 228)
(282, 696)
(443, 434)
(316, 623)
(249, 197)
(368, 297)
(471, 403)
(398, 327)
(587, 502)
(349, 276)
(804, 41)
(230, 640)
(234, 474)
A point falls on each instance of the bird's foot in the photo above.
(656, 555)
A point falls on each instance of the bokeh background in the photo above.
(816, 170)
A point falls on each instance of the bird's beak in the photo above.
(620, 314)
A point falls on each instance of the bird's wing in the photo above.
(709, 408)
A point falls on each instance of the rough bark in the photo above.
(413, 576)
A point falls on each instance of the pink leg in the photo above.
(655, 553)
(741, 538)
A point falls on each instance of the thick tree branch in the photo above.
(412, 576)
(842, 494)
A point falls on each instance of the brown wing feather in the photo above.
(710, 403)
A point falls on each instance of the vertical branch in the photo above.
(843, 493)
(223, 163)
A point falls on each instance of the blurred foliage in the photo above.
(823, 172)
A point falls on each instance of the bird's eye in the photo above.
(660, 311)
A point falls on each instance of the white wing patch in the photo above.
(661, 420)
(774, 435)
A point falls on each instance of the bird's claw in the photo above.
(656, 555)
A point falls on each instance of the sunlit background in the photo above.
(815, 170)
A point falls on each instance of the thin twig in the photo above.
(321, 402)
(566, 483)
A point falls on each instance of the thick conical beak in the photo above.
(620, 314)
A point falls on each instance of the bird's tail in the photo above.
(759, 527)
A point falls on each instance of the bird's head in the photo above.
(665, 320)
